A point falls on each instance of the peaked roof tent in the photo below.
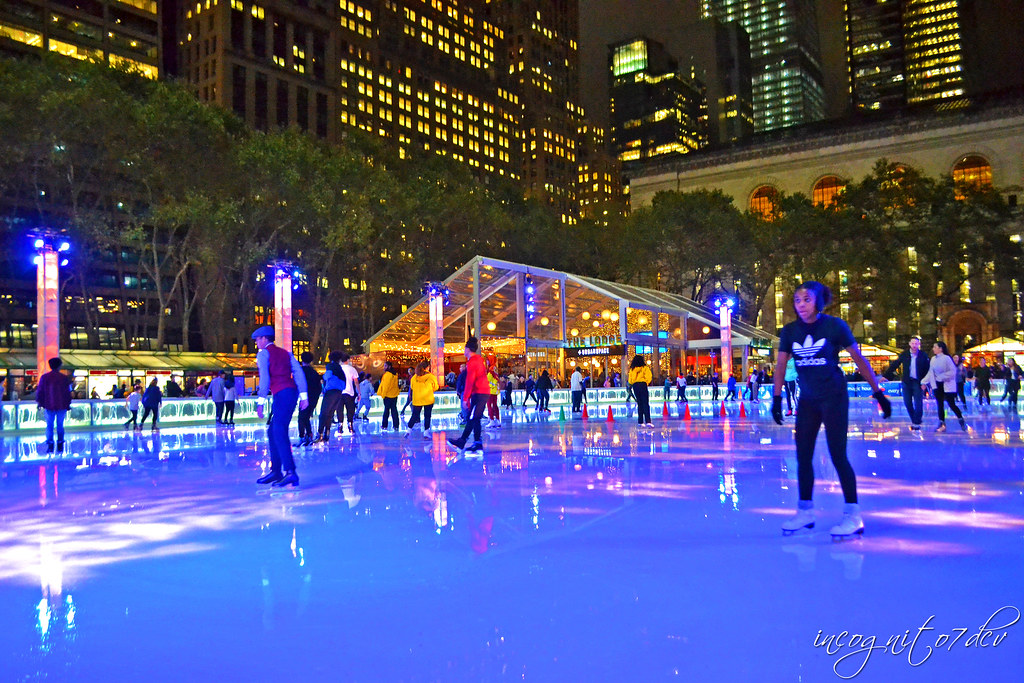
(998, 345)
(567, 307)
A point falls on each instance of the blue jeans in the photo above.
(55, 418)
(282, 407)
(912, 399)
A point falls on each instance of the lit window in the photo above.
(764, 201)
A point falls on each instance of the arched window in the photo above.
(764, 201)
(973, 171)
(826, 190)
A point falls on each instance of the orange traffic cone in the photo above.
(743, 410)
(686, 415)
(664, 410)
(586, 416)
(722, 413)
(610, 418)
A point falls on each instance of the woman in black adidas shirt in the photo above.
(814, 341)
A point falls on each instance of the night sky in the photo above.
(993, 34)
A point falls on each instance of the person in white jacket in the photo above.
(942, 376)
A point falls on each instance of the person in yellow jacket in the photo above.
(639, 377)
(422, 385)
(493, 416)
(388, 391)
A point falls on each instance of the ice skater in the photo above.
(640, 378)
(365, 396)
(422, 386)
(913, 366)
(815, 340)
(983, 382)
(475, 395)
(53, 395)
(942, 372)
(388, 392)
(282, 377)
(151, 400)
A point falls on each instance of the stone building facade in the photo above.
(985, 143)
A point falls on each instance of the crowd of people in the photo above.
(807, 374)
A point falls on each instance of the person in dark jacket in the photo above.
(544, 392)
(530, 385)
(313, 387)
(151, 400)
(173, 389)
(460, 385)
(333, 386)
(913, 365)
(983, 382)
(53, 394)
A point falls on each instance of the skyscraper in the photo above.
(600, 187)
(933, 49)
(721, 54)
(272, 62)
(785, 62)
(657, 108)
(543, 65)
(904, 53)
(875, 54)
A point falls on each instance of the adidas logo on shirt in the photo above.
(805, 351)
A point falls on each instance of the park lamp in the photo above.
(433, 290)
(45, 243)
(723, 302)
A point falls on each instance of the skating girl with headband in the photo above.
(814, 340)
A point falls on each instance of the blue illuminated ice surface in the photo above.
(570, 552)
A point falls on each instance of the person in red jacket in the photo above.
(54, 396)
(474, 397)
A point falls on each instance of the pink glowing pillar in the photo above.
(725, 322)
(283, 310)
(436, 308)
(47, 308)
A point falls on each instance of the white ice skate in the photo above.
(852, 524)
(804, 519)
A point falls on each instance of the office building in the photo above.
(543, 68)
(787, 80)
(657, 108)
(599, 190)
(117, 32)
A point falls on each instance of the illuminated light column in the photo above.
(437, 296)
(283, 286)
(725, 306)
(48, 261)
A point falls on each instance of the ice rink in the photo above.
(576, 551)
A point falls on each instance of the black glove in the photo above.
(777, 409)
(883, 403)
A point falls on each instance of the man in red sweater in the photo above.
(54, 396)
(474, 396)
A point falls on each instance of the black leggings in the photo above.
(146, 410)
(833, 412)
(330, 405)
(390, 410)
(942, 398)
(477, 404)
(643, 403)
(790, 393)
(415, 418)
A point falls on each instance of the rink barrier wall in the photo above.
(18, 417)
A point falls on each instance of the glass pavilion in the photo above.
(534, 319)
